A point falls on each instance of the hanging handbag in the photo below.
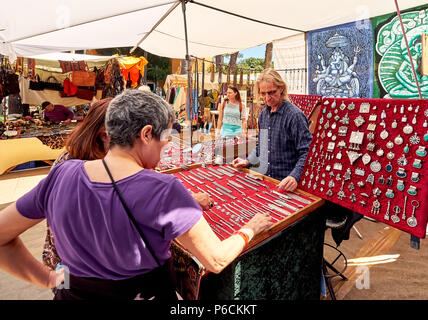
(68, 66)
(166, 282)
(69, 88)
(83, 78)
(85, 94)
(52, 83)
(36, 84)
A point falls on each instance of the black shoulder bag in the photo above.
(163, 284)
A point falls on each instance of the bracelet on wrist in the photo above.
(244, 236)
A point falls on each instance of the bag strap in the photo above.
(131, 217)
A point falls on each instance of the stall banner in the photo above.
(394, 77)
(340, 61)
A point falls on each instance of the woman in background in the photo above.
(231, 120)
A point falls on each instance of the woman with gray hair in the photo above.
(114, 219)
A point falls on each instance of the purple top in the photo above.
(58, 114)
(93, 234)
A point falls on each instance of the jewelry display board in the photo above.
(306, 103)
(369, 155)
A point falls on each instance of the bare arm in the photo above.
(220, 116)
(15, 257)
(214, 254)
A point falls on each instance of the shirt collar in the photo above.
(280, 109)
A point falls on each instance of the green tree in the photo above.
(256, 64)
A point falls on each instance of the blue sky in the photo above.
(255, 52)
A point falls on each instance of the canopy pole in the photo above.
(189, 79)
(408, 50)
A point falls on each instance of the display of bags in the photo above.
(83, 78)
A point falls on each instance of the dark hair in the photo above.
(45, 104)
(235, 89)
(85, 142)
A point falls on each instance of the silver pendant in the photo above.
(376, 207)
(384, 134)
(372, 126)
(370, 179)
(366, 159)
(375, 166)
(376, 192)
(394, 124)
(342, 131)
(356, 140)
(390, 145)
(402, 161)
(412, 222)
(347, 174)
(359, 121)
(353, 156)
(351, 106)
(345, 119)
(398, 140)
(365, 107)
(390, 155)
(408, 129)
(380, 152)
(370, 146)
(395, 218)
(414, 139)
(360, 172)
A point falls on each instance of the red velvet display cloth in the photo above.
(385, 189)
(223, 217)
(306, 103)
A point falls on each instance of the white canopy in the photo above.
(59, 25)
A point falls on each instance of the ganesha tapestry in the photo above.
(394, 77)
(340, 61)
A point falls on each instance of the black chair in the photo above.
(340, 220)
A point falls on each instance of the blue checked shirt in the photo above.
(283, 142)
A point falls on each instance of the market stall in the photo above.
(70, 80)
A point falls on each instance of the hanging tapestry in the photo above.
(340, 60)
(394, 77)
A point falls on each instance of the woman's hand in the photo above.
(259, 223)
(287, 184)
(56, 277)
(204, 200)
(240, 163)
